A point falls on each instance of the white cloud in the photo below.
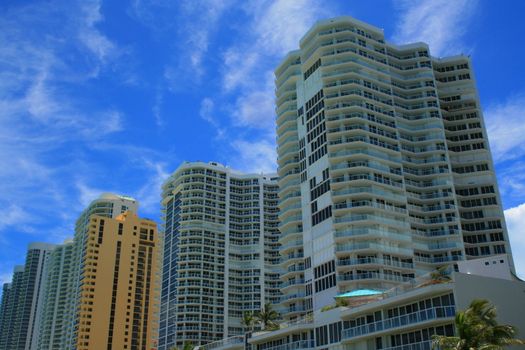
(149, 194)
(13, 215)
(207, 113)
(440, 23)
(239, 67)
(281, 24)
(506, 127)
(39, 113)
(157, 108)
(205, 16)
(5, 277)
(273, 28)
(99, 44)
(194, 22)
(207, 109)
(255, 109)
(512, 181)
(87, 194)
(515, 218)
(257, 156)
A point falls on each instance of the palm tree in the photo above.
(248, 321)
(477, 328)
(267, 317)
(439, 275)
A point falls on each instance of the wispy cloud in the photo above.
(48, 51)
(271, 29)
(197, 21)
(506, 127)
(13, 215)
(255, 108)
(99, 44)
(157, 107)
(440, 23)
(150, 193)
(515, 218)
(208, 113)
(87, 193)
(255, 156)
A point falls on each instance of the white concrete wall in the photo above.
(507, 296)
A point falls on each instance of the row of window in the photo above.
(451, 68)
(471, 168)
(480, 226)
(315, 156)
(485, 250)
(328, 334)
(473, 191)
(322, 215)
(464, 148)
(465, 137)
(482, 238)
(312, 69)
(479, 202)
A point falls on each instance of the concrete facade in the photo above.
(220, 252)
(384, 169)
(403, 318)
(21, 302)
(118, 306)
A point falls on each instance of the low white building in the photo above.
(402, 318)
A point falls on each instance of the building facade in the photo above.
(118, 306)
(108, 205)
(400, 319)
(384, 166)
(55, 294)
(220, 252)
(21, 303)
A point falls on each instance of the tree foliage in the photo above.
(267, 317)
(477, 328)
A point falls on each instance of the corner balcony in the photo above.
(423, 316)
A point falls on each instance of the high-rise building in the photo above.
(386, 187)
(384, 169)
(5, 305)
(108, 205)
(220, 252)
(21, 302)
(55, 294)
(118, 306)
(98, 291)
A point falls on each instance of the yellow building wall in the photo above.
(121, 260)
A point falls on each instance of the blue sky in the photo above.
(102, 96)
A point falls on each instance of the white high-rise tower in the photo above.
(384, 170)
(220, 252)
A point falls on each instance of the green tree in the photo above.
(248, 321)
(267, 317)
(439, 275)
(478, 329)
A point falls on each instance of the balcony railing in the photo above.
(302, 344)
(425, 345)
(400, 321)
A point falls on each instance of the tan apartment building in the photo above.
(118, 306)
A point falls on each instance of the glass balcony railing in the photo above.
(424, 345)
(400, 321)
(302, 344)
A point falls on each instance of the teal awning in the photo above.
(359, 293)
